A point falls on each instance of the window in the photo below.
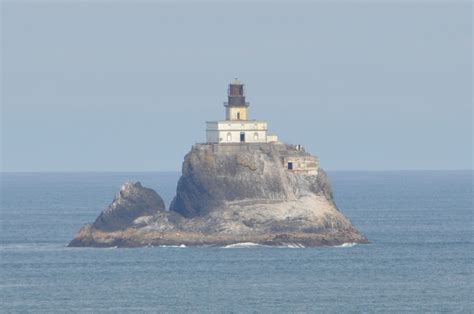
(229, 137)
(255, 136)
(242, 137)
(238, 115)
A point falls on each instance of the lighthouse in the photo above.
(236, 106)
(237, 127)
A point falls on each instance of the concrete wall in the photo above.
(229, 131)
(237, 125)
(272, 138)
(212, 136)
(234, 136)
(232, 113)
(250, 136)
(303, 164)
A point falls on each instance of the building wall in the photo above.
(234, 136)
(251, 125)
(212, 136)
(232, 113)
(272, 138)
(303, 164)
(229, 131)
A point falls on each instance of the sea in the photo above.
(420, 259)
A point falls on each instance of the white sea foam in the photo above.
(350, 244)
(256, 245)
(294, 246)
(175, 246)
(242, 245)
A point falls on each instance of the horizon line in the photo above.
(179, 171)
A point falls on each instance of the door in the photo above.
(242, 137)
(290, 165)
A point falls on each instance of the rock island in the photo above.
(243, 185)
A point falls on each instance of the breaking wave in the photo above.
(256, 245)
(294, 246)
(349, 244)
(179, 246)
(243, 245)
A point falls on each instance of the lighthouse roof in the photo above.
(236, 82)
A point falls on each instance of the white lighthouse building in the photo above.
(236, 128)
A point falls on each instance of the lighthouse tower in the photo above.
(236, 106)
(237, 128)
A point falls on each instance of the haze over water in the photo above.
(420, 259)
(128, 85)
(364, 85)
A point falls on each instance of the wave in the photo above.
(179, 246)
(243, 245)
(256, 245)
(294, 246)
(348, 244)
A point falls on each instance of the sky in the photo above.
(128, 85)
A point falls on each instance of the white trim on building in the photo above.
(231, 131)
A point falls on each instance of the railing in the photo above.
(246, 104)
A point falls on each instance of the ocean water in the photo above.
(420, 259)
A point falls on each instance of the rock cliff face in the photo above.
(229, 193)
(214, 175)
(131, 202)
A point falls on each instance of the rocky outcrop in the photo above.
(216, 174)
(228, 193)
(131, 202)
